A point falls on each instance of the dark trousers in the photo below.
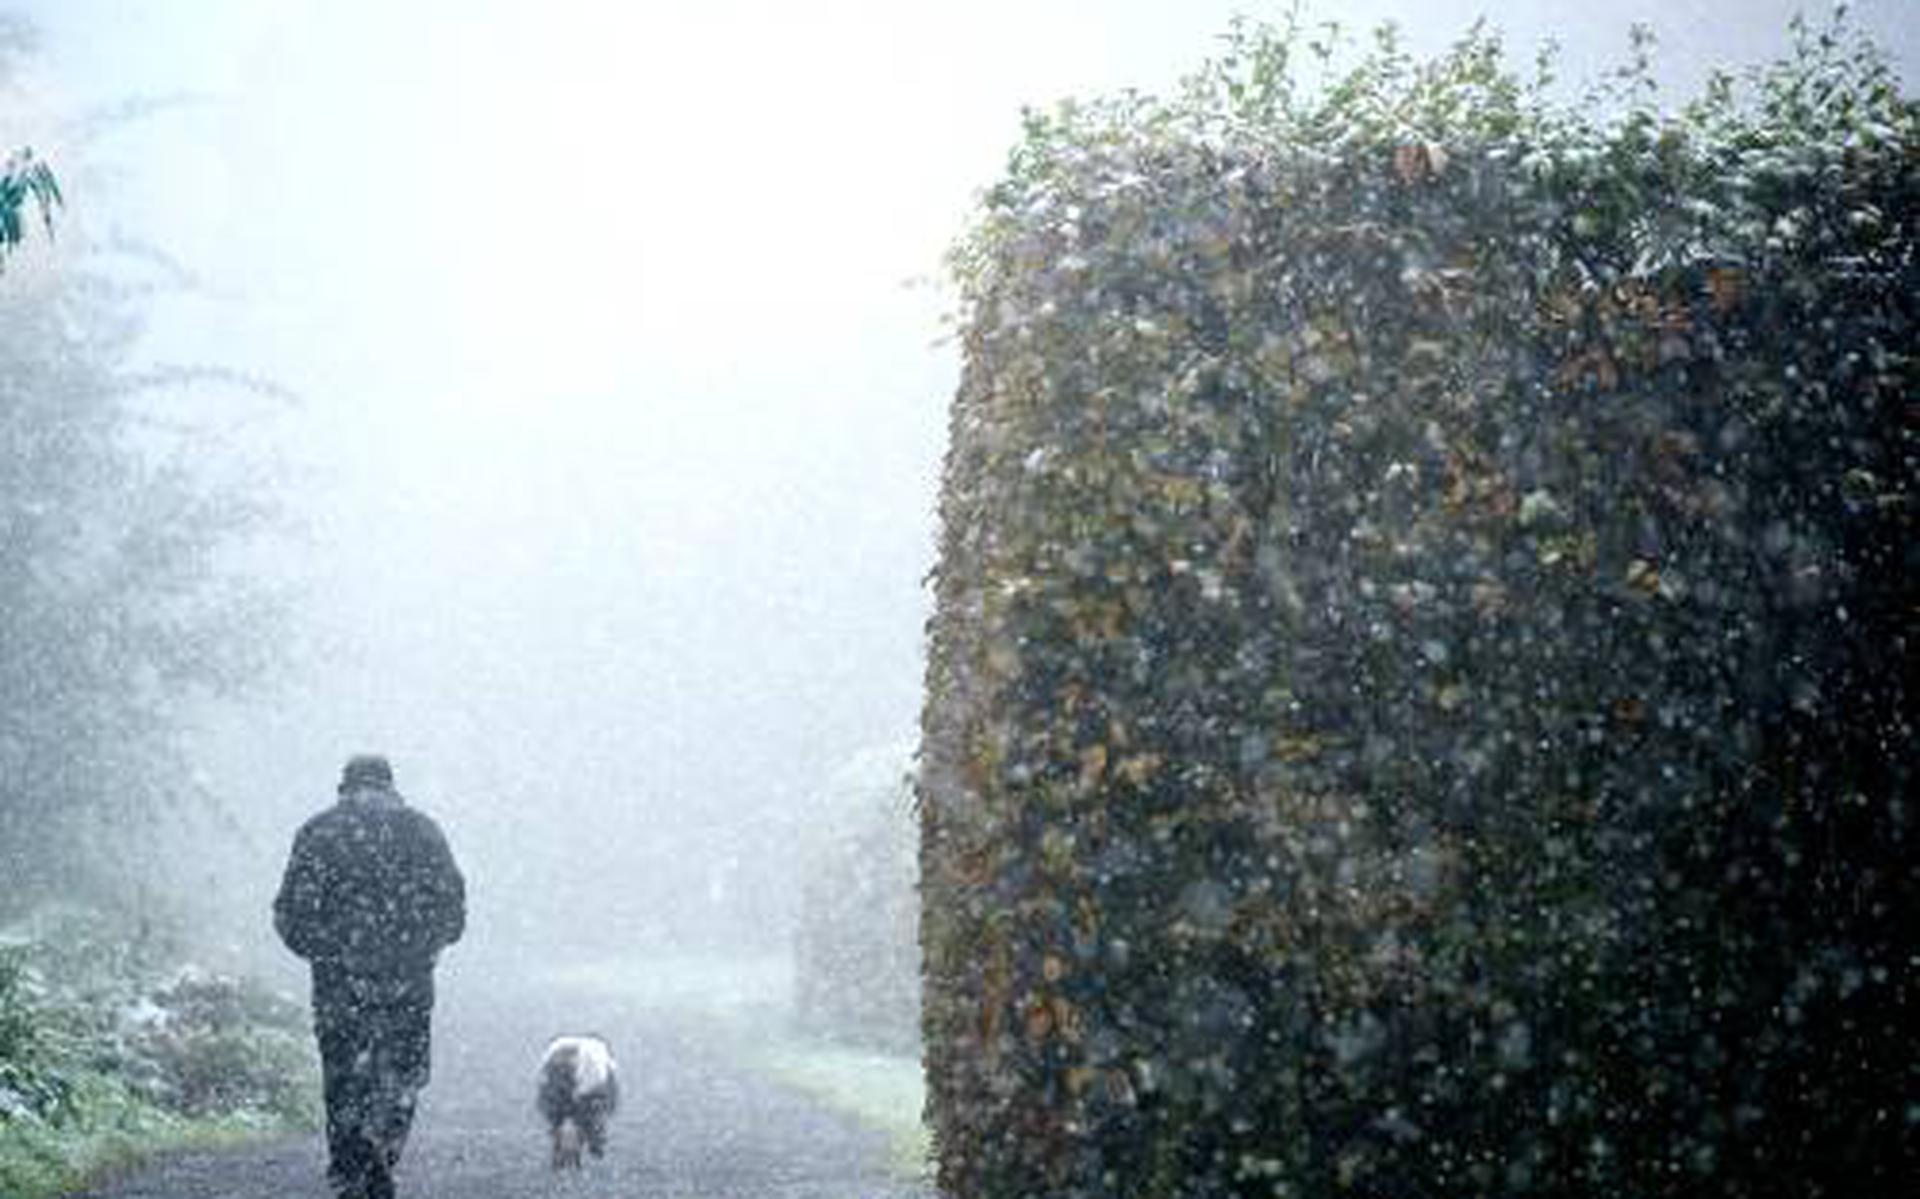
(375, 1034)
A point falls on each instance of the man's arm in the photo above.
(299, 910)
(449, 894)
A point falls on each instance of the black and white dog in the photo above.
(579, 1089)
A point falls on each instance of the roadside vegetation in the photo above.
(112, 1049)
(856, 953)
(113, 1045)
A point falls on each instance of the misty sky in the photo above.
(620, 411)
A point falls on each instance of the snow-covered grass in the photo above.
(110, 1127)
(883, 1091)
(111, 1050)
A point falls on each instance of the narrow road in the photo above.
(693, 1123)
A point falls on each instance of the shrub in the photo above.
(31, 1086)
(856, 960)
(216, 1045)
(1417, 693)
(91, 1001)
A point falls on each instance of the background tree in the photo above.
(856, 959)
(117, 612)
(26, 183)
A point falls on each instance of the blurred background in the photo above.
(572, 378)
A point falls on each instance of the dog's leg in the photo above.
(566, 1143)
(595, 1126)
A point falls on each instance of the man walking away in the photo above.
(370, 897)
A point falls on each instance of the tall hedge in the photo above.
(1418, 693)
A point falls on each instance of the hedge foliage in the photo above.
(1418, 692)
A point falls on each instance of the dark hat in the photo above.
(366, 770)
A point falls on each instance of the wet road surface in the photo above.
(694, 1124)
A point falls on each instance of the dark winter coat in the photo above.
(371, 889)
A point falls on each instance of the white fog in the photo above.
(595, 365)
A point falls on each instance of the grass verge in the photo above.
(882, 1091)
(107, 1129)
